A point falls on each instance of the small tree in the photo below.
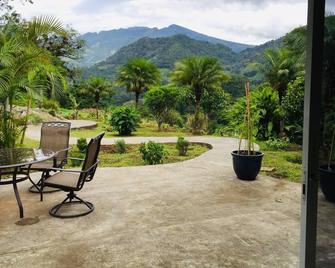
(161, 101)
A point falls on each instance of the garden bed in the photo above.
(110, 158)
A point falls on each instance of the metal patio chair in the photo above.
(55, 136)
(72, 181)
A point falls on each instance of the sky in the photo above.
(245, 21)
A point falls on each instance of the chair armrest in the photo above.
(76, 158)
(64, 150)
(76, 171)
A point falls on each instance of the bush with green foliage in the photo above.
(265, 110)
(50, 105)
(182, 146)
(124, 120)
(161, 101)
(276, 144)
(152, 153)
(82, 145)
(293, 108)
(120, 146)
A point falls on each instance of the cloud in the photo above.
(247, 21)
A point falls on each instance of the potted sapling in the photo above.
(247, 162)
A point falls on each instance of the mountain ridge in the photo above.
(101, 45)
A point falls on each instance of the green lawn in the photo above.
(146, 129)
(287, 163)
(132, 157)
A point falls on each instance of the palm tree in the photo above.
(279, 71)
(25, 67)
(199, 74)
(137, 75)
(98, 87)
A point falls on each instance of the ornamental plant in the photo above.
(124, 120)
(152, 153)
(120, 146)
(182, 146)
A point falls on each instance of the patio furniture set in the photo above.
(50, 159)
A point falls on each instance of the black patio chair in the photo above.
(55, 136)
(72, 181)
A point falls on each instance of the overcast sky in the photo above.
(246, 21)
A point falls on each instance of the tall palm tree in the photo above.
(137, 75)
(199, 74)
(279, 71)
(25, 67)
(98, 87)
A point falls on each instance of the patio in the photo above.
(192, 213)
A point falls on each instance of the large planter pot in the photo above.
(327, 182)
(247, 166)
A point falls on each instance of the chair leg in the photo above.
(36, 187)
(69, 200)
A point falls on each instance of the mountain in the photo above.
(100, 46)
(163, 52)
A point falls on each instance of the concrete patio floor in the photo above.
(187, 214)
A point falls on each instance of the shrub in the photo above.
(173, 118)
(50, 105)
(182, 146)
(124, 120)
(120, 146)
(152, 153)
(293, 107)
(276, 144)
(75, 162)
(82, 145)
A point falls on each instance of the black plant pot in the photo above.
(247, 166)
(327, 182)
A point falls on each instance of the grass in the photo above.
(287, 162)
(146, 129)
(110, 158)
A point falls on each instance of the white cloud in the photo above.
(247, 21)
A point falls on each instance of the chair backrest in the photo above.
(55, 136)
(91, 158)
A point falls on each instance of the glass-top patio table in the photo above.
(15, 167)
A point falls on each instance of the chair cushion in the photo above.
(67, 179)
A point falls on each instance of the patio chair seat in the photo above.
(63, 179)
(48, 165)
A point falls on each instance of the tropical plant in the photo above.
(182, 146)
(97, 87)
(138, 75)
(124, 120)
(248, 125)
(200, 74)
(279, 70)
(161, 101)
(26, 67)
(293, 108)
(82, 145)
(152, 153)
(120, 146)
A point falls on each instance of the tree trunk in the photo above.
(137, 97)
(26, 120)
(196, 126)
(97, 112)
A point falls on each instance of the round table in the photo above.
(12, 162)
